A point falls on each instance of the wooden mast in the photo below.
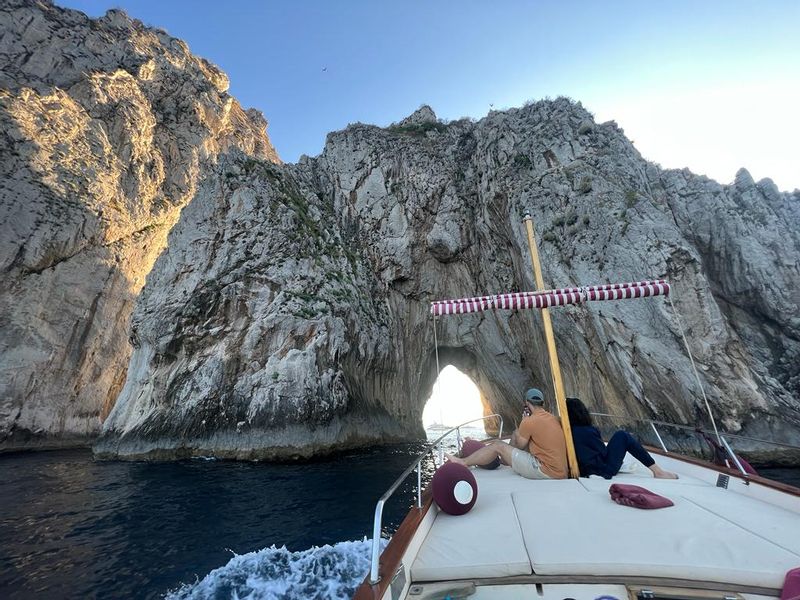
(555, 369)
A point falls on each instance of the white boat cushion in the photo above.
(773, 523)
(588, 534)
(485, 542)
(595, 483)
(502, 479)
(776, 524)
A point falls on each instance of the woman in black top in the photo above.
(597, 458)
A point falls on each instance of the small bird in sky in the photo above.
(324, 68)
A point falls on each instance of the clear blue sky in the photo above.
(712, 85)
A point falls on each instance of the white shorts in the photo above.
(526, 464)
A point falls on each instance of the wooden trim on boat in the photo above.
(626, 580)
(392, 556)
(770, 483)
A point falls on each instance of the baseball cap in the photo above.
(534, 396)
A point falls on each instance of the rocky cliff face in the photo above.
(285, 310)
(289, 313)
(106, 127)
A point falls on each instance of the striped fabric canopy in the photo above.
(548, 298)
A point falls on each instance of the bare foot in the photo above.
(455, 459)
(660, 473)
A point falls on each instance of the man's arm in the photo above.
(522, 434)
(518, 440)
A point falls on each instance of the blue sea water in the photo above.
(73, 527)
(790, 475)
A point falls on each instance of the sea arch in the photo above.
(454, 399)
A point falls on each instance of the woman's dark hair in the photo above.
(578, 413)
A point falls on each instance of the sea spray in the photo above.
(324, 573)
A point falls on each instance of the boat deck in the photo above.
(571, 530)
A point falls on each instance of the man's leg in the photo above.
(485, 455)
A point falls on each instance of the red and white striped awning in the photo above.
(548, 298)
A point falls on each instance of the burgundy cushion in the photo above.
(747, 466)
(637, 497)
(791, 585)
(454, 488)
(469, 446)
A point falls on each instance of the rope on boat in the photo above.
(677, 317)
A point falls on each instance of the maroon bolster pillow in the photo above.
(454, 488)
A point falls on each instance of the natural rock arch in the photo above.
(289, 314)
(465, 364)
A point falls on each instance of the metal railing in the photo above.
(417, 464)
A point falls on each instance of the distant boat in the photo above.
(438, 426)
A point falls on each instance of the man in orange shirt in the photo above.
(537, 449)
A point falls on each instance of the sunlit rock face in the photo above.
(289, 313)
(107, 127)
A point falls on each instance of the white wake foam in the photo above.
(324, 573)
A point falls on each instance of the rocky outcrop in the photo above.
(286, 310)
(106, 127)
(288, 314)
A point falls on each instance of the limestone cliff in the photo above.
(289, 313)
(106, 126)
